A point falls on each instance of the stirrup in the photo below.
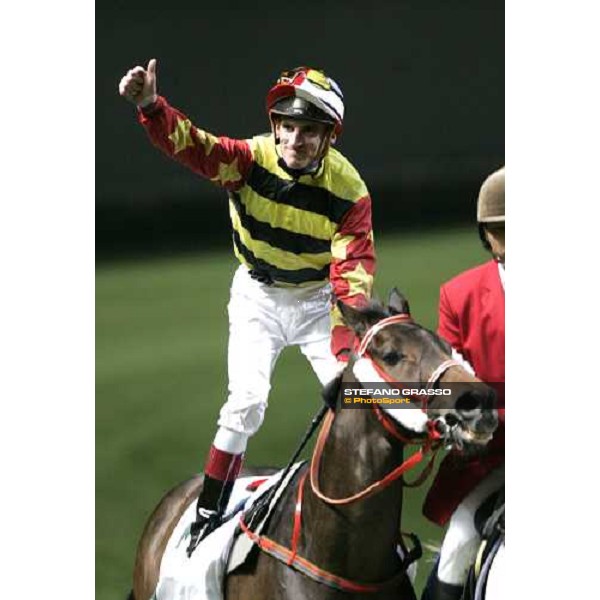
(206, 522)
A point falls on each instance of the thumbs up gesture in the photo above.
(138, 85)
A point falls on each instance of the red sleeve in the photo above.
(352, 268)
(448, 326)
(224, 161)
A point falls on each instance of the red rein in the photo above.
(290, 555)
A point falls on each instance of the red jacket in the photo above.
(472, 320)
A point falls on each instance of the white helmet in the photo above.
(307, 94)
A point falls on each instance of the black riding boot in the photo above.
(210, 507)
(220, 473)
(442, 591)
(438, 590)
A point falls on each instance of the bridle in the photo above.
(430, 443)
(394, 319)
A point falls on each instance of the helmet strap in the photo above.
(328, 139)
(295, 173)
(273, 128)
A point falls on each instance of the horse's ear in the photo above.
(354, 318)
(397, 303)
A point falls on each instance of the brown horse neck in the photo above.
(356, 539)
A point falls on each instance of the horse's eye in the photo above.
(392, 358)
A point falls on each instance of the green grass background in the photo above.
(161, 339)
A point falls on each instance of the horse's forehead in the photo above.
(411, 334)
(415, 341)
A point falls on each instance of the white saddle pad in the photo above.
(201, 576)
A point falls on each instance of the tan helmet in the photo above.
(490, 204)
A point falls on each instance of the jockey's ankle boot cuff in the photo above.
(215, 494)
(223, 466)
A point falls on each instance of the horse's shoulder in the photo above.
(185, 491)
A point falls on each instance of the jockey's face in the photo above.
(300, 141)
(495, 236)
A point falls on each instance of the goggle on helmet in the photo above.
(308, 94)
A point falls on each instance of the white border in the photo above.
(46, 244)
(553, 153)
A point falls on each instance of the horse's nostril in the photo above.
(451, 420)
(468, 402)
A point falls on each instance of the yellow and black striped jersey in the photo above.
(292, 230)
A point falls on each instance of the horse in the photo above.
(335, 531)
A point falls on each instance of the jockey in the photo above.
(471, 319)
(301, 220)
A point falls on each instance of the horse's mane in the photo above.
(374, 310)
(331, 391)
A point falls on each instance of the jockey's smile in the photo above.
(300, 141)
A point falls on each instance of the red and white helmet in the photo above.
(307, 94)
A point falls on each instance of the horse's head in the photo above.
(401, 351)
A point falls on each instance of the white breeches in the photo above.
(263, 320)
(462, 540)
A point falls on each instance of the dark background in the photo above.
(423, 84)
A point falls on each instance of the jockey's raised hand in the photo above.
(138, 85)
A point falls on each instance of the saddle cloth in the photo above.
(201, 576)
